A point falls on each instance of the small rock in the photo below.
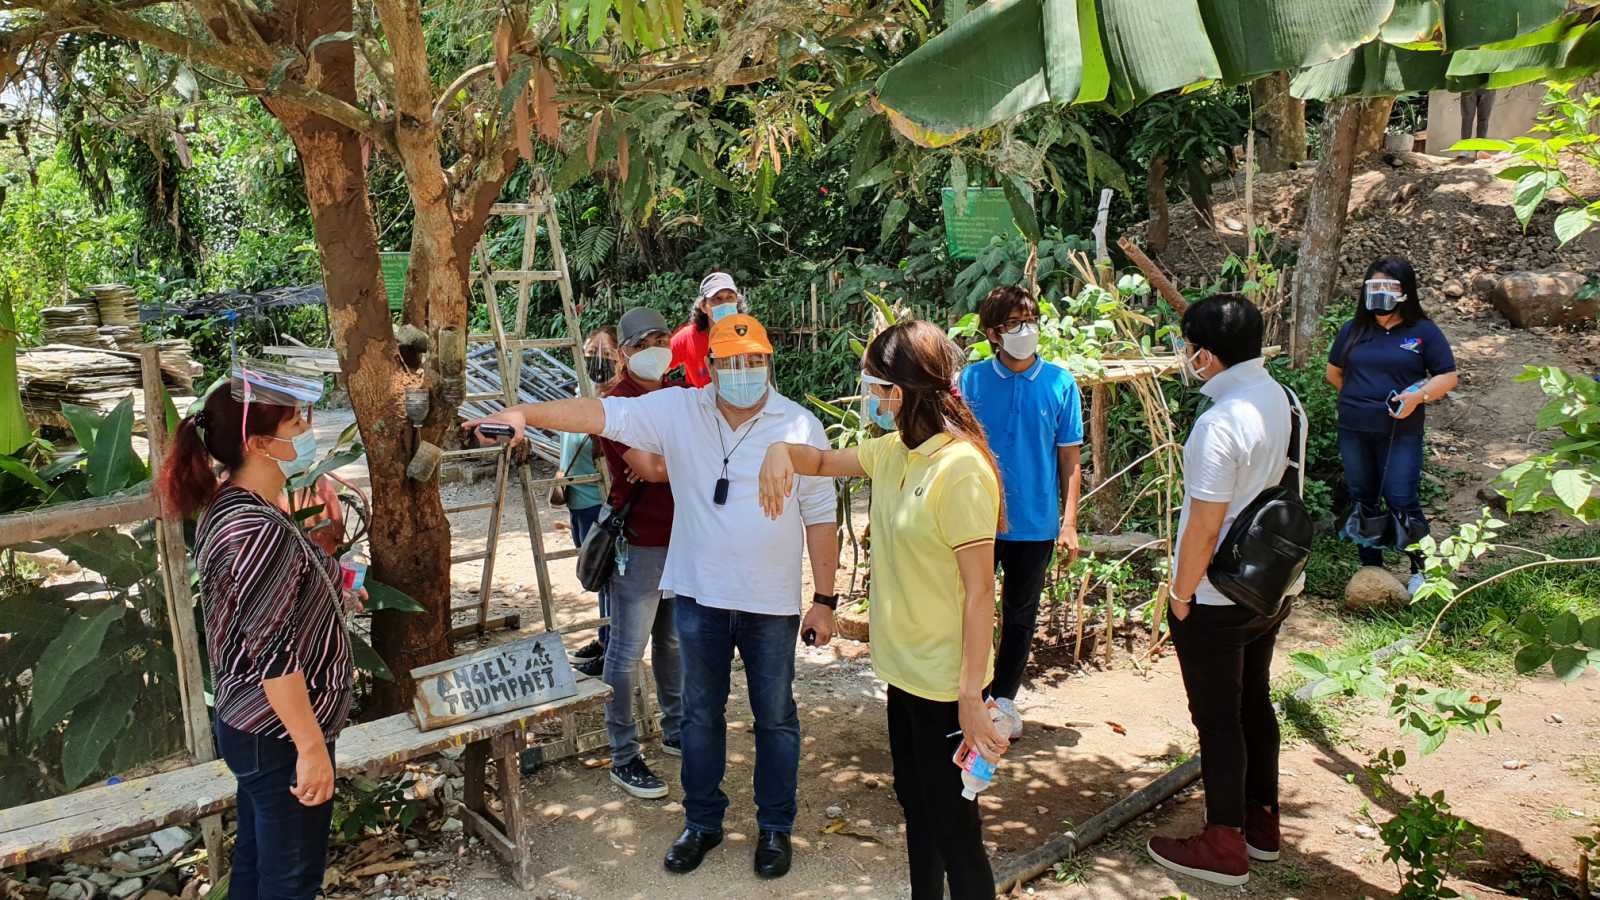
(157, 895)
(170, 840)
(1529, 299)
(126, 888)
(1513, 764)
(871, 781)
(413, 844)
(1489, 496)
(1454, 289)
(1366, 832)
(105, 881)
(1554, 719)
(451, 825)
(381, 881)
(472, 842)
(419, 854)
(1373, 587)
(834, 812)
(64, 890)
(124, 861)
(146, 852)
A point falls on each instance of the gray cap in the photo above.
(638, 323)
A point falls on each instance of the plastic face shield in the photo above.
(873, 386)
(258, 381)
(1383, 294)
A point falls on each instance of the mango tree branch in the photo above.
(441, 106)
(116, 21)
(1536, 564)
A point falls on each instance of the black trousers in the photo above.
(1024, 565)
(944, 834)
(1225, 653)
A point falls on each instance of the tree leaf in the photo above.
(1530, 658)
(94, 726)
(1529, 192)
(1021, 208)
(1589, 632)
(1482, 145)
(1564, 629)
(1572, 223)
(1569, 662)
(382, 596)
(547, 112)
(1572, 487)
(502, 51)
(708, 171)
(367, 659)
(892, 217)
(77, 646)
(85, 422)
(598, 11)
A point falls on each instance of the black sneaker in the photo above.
(672, 747)
(637, 779)
(592, 667)
(590, 650)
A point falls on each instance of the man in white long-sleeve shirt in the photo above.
(736, 574)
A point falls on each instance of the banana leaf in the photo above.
(14, 432)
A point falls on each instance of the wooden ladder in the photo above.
(509, 347)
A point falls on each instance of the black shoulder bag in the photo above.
(1269, 542)
(597, 558)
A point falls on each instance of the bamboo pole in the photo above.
(1020, 869)
(173, 555)
(1077, 649)
(1111, 620)
(72, 518)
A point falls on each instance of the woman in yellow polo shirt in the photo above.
(936, 505)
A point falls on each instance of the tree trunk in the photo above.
(1322, 235)
(1280, 120)
(1160, 214)
(410, 538)
(1375, 112)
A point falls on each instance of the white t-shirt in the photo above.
(728, 556)
(1238, 448)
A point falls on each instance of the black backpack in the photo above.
(1269, 543)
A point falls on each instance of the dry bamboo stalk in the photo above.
(1077, 650)
(1111, 620)
(1156, 277)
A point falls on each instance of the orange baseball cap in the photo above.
(737, 334)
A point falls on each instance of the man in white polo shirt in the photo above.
(1239, 446)
(735, 573)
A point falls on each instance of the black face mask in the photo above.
(600, 368)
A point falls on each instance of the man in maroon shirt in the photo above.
(639, 613)
(718, 297)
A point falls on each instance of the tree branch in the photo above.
(116, 21)
(442, 105)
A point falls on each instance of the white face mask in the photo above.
(1022, 345)
(650, 363)
(1191, 365)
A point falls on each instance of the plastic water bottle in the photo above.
(622, 555)
(977, 772)
(354, 566)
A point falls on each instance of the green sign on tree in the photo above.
(968, 228)
(395, 265)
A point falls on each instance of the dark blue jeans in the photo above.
(1378, 475)
(708, 637)
(282, 846)
(582, 520)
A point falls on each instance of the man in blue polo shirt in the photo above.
(1031, 413)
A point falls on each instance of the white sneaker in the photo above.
(1009, 707)
(1416, 583)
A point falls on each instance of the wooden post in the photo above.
(172, 553)
(1111, 618)
(507, 752)
(1077, 614)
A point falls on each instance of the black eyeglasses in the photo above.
(1015, 327)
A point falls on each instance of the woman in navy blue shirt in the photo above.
(1388, 362)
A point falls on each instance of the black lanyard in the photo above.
(719, 494)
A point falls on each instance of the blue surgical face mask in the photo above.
(875, 412)
(722, 311)
(742, 388)
(305, 453)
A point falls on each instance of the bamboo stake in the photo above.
(1111, 620)
(1077, 649)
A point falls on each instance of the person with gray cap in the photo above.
(639, 613)
(719, 298)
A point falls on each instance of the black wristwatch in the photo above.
(825, 600)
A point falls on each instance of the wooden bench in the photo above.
(105, 815)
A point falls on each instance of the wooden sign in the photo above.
(496, 680)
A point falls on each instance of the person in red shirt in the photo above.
(639, 613)
(719, 297)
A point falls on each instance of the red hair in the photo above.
(188, 478)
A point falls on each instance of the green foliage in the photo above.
(363, 805)
(1424, 840)
(1564, 131)
(1004, 263)
(1563, 479)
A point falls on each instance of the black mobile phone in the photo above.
(496, 429)
(810, 637)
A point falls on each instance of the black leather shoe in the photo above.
(773, 854)
(690, 848)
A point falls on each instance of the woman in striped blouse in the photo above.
(280, 657)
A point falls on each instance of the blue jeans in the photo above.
(582, 520)
(282, 846)
(766, 644)
(1377, 475)
(639, 615)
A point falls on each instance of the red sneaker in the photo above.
(1261, 838)
(1216, 855)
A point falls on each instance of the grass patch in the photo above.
(1073, 870)
(1329, 569)
(1462, 643)
(1320, 722)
